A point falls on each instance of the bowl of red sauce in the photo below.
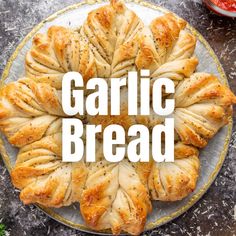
(222, 7)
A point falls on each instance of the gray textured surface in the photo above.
(214, 213)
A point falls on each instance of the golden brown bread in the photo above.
(29, 111)
(172, 181)
(203, 106)
(43, 178)
(111, 42)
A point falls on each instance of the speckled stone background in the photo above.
(214, 214)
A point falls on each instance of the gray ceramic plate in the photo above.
(211, 157)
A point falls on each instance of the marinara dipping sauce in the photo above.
(222, 7)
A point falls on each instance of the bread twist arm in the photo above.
(166, 49)
(115, 197)
(29, 111)
(57, 52)
(175, 180)
(42, 176)
(203, 106)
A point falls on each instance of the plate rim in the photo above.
(197, 196)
